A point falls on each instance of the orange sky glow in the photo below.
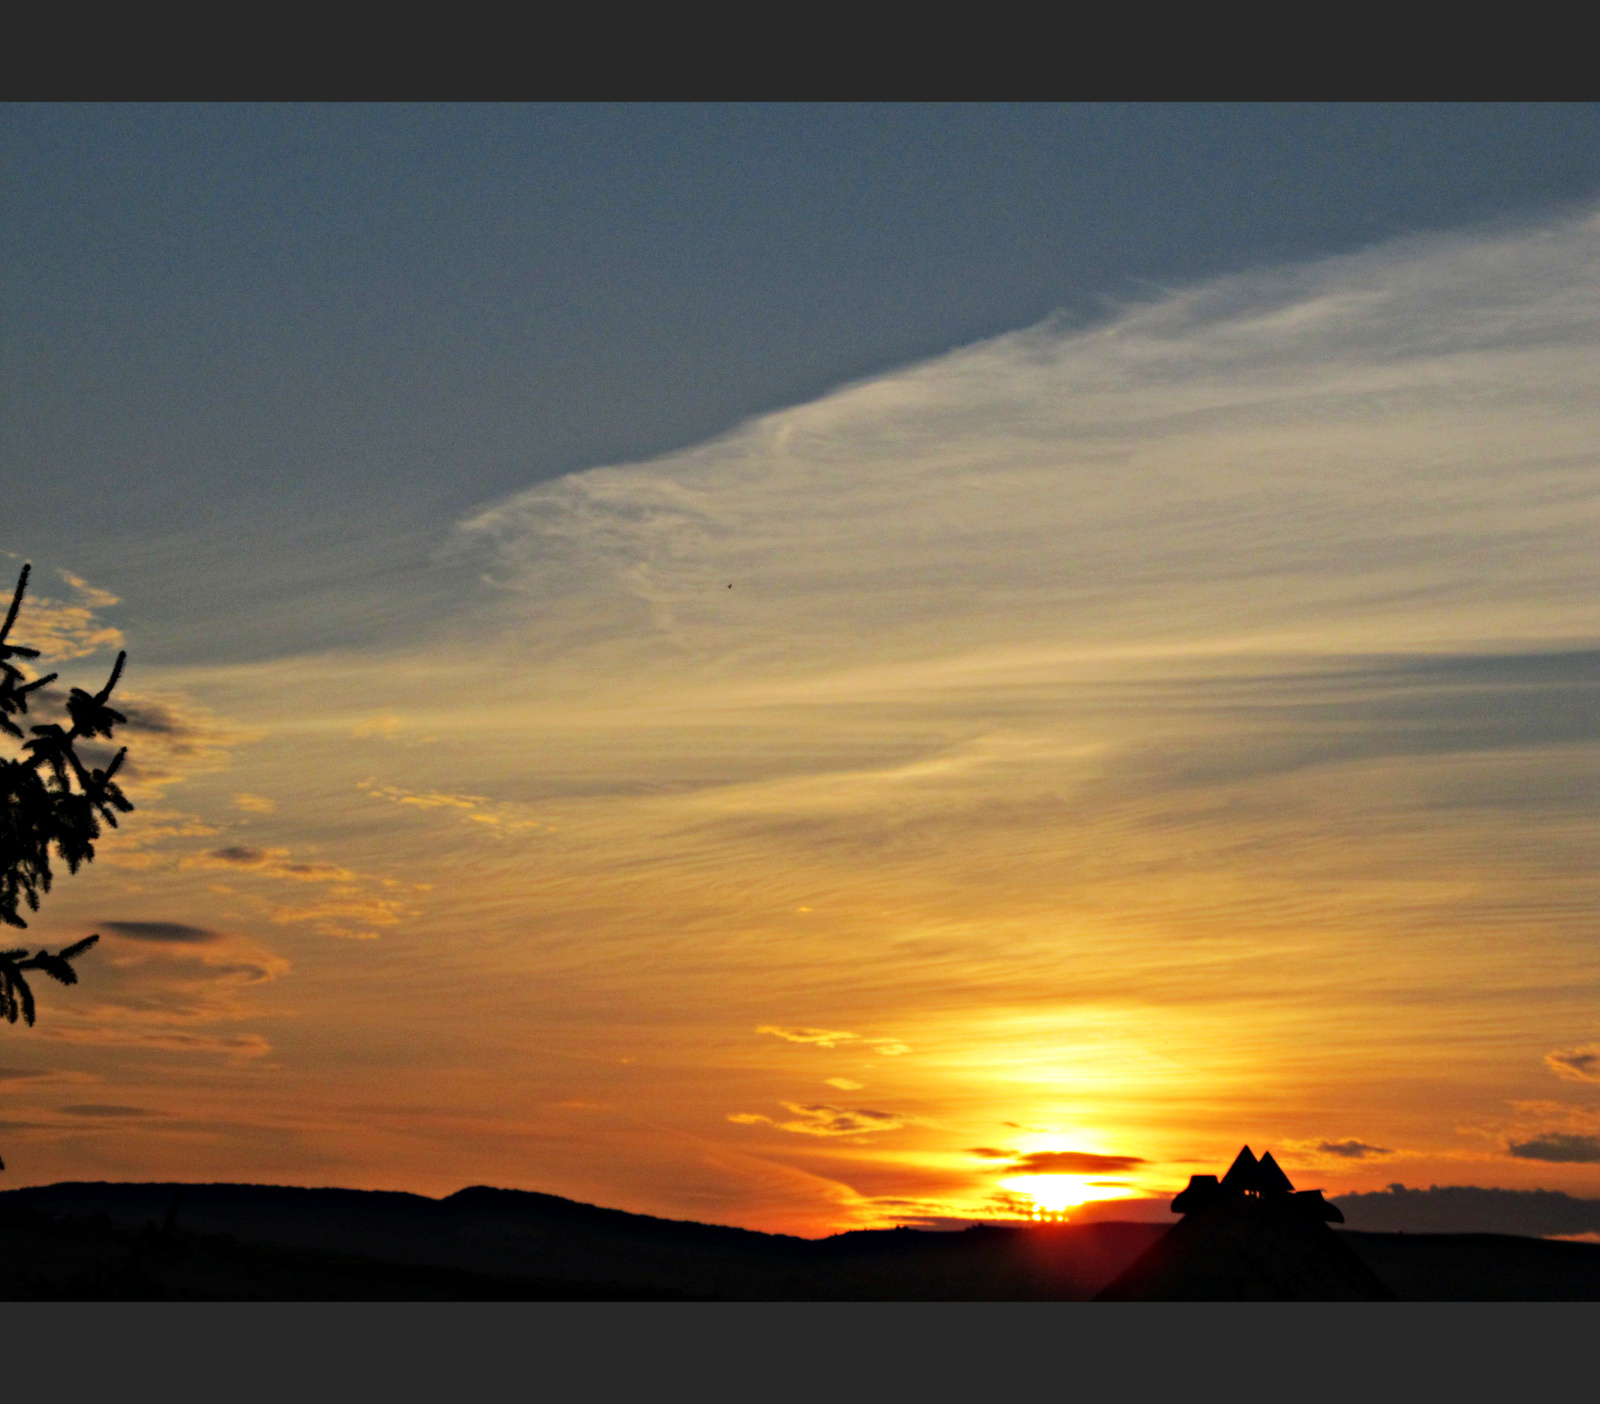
(1001, 786)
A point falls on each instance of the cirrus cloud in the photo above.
(820, 1119)
(832, 1038)
(820, 1038)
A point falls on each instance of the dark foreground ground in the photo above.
(75, 1242)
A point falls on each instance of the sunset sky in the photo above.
(817, 668)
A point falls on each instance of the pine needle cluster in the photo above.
(49, 800)
(48, 797)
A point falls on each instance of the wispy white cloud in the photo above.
(1061, 590)
(1356, 455)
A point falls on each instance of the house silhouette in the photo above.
(1250, 1237)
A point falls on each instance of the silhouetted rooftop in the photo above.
(1249, 1237)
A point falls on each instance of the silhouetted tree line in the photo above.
(49, 800)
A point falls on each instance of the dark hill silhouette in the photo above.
(46, 1258)
(1480, 1267)
(269, 1242)
(523, 1234)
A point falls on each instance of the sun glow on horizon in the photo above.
(1055, 1194)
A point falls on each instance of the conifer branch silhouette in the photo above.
(48, 799)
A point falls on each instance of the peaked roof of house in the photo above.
(1250, 1237)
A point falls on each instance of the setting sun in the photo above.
(1054, 1194)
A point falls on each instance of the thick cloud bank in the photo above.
(1467, 1209)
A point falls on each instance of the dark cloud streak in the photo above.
(1469, 1209)
(165, 932)
(239, 853)
(1351, 1150)
(1072, 1163)
(1559, 1149)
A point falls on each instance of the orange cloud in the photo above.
(819, 1119)
(820, 1038)
(1576, 1064)
(832, 1038)
(498, 818)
